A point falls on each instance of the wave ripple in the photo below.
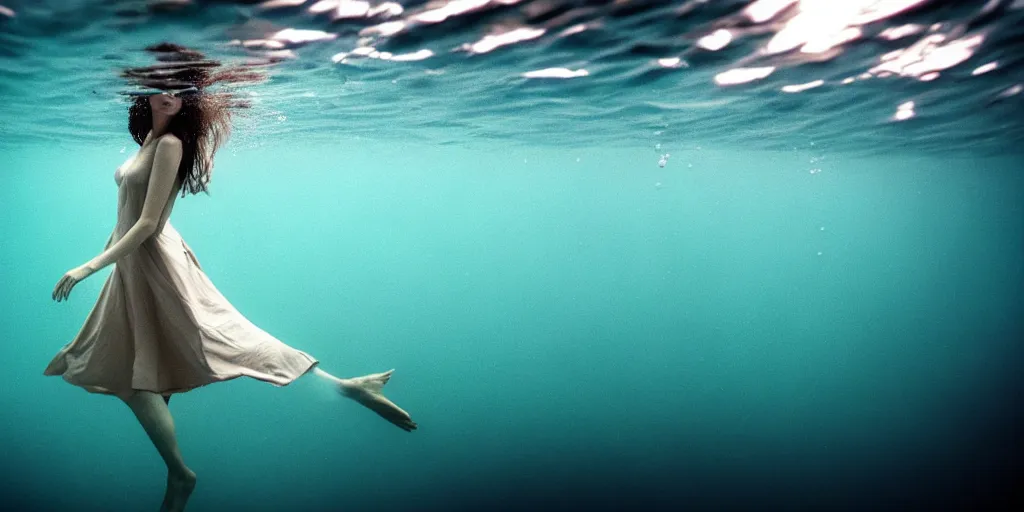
(857, 75)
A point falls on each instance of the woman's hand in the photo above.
(70, 279)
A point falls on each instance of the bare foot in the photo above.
(179, 488)
(367, 391)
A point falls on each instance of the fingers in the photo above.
(68, 286)
(63, 288)
(57, 289)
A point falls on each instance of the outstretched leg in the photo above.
(368, 391)
(152, 412)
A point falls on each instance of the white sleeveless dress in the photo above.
(159, 324)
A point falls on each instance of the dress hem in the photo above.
(100, 390)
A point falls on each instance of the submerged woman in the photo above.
(160, 326)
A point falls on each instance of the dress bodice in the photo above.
(132, 179)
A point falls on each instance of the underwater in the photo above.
(698, 255)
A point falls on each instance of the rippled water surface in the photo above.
(865, 76)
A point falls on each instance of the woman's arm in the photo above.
(161, 182)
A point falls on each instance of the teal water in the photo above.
(573, 329)
(814, 304)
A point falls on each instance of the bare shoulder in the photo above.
(169, 142)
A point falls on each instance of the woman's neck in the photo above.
(160, 125)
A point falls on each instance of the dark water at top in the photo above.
(864, 76)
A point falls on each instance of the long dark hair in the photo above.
(204, 122)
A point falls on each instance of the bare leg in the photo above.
(368, 391)
(152, 412)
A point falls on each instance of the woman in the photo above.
(160, 326)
